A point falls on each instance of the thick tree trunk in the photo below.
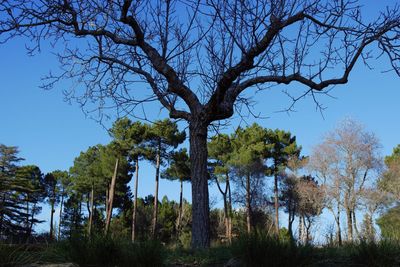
(155, 211)
(248, 204)
(135, 200)
(349, 224)
(91, 211)
(60, 216)
(199, 175)
(276, 204)
(111, 197)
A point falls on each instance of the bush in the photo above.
(105, 251)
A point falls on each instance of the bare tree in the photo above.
(374, 200)
(345, 161)
(198, 57)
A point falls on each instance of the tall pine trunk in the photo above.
(199, 175)
(276, 203)
(248, 204)
(91, 211)
(111, 198)
(230, 211)
(60, 216)
(178, 227)
(51, 220)
(135, 200)
(155, 210)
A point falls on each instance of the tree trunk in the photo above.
(111, 197)
(229, 208)
(276, 203)
(59, 220)
(248, 204)
(178, 226)
(355, 224)
(199, 175)
(155, 210)
(135, 200)
(338, 228)
(91, 211)
(349, 224)
(51, 220)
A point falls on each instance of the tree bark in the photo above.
(59, 220)
(199, 175)
(229, 208)
(51, 220)
(135, 200)
(155, 211)
(276, 203)
(91, 211)
(349, 224)
(111, 197)
(178, 226)
(355, 224)
(338, 228)
(248, 204)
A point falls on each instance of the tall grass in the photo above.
(105, 251)
(260, 249)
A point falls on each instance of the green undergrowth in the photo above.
(248, 250)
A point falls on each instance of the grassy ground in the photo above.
(255, 250)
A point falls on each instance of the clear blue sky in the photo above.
(50, 133)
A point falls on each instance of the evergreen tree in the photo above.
(220, 152)
(11, 212)
(281, 146)
(179, 169)
(248, 161)
(131, 138)
(162, 138)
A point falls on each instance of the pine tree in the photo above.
(162, 138)
(179, 169)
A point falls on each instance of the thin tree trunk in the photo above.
(229, 208)
(51, 220)
(135, 200)
(59, 221)
(355, 223)
(155, 210)
(224, 197)
(248, 204)
(178, 227)
(300, 228)
(338, 228)
(276, 203)
(107, 205)
(32, 219)
(199, 175)
(111, 197)
(91, 211)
